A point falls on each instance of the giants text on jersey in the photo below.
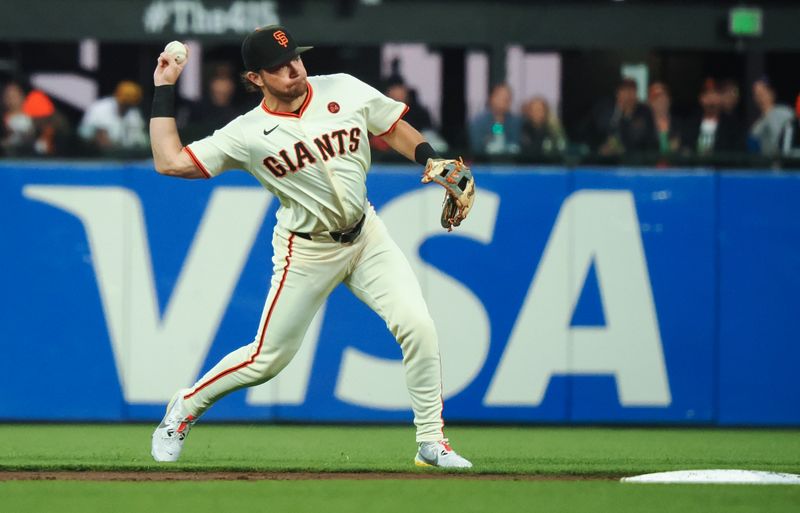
(315, 161)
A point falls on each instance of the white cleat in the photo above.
(439, 454)
(174, 428)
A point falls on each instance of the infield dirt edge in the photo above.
(104, 475)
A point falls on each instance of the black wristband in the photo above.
(423, 152)
(163, 102)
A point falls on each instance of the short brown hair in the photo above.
(627, 83)
(248, 84)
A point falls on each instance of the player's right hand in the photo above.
(167, 70)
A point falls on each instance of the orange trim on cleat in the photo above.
(185, 424)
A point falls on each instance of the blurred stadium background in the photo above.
(632, 258)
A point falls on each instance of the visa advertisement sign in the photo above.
(567, 296)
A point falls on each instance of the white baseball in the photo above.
(177, 50)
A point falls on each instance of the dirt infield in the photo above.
(280, 476)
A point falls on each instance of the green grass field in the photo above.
(516, 452)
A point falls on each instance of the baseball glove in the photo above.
(459, 186)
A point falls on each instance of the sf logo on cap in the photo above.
(281, 38)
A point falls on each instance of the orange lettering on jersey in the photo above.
(325, 146)
(355, 138)
(339, 135)
(285, 156)
(302, 154)
(281, 38)
(328, 145)
(275, 167)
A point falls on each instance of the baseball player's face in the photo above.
(287, 81)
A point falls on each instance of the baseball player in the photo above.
(306, 142)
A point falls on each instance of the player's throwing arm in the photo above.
(168, 157)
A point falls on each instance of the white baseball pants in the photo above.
(304, 274)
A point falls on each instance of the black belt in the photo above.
(344, 237)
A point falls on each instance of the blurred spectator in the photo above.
(731, 97)
(711, 131)
(790, 135)
(496, 130)
(18, 130)
(541, 132)
(626, 126)
(767, 128)
(667, 127)
(51, 130)
(417, 115)
(114, 122)
(217, 107)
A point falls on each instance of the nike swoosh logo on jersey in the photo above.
(267, 132)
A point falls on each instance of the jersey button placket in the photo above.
(323, 164)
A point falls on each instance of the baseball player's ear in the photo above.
(254, 78)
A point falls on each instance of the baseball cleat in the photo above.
(439, 454)
(169, 436)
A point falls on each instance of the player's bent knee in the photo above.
(415, 327)
(268, 364)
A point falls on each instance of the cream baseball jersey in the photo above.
(316, 160)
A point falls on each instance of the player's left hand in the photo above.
(168, 70)
(459, 184)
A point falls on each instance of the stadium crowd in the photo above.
(623, 125)
(618, 126)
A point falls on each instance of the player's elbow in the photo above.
(168, 167)
(179, 169)
(163, 168)
(173, 171)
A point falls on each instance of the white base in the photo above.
(725, 476)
